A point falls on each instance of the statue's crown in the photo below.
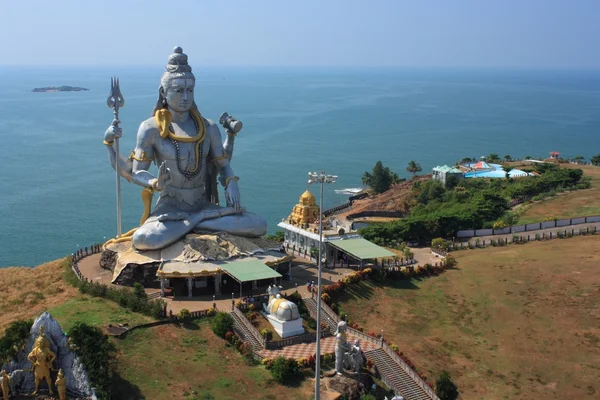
(178, 61)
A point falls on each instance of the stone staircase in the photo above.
(244, 333)
(395, 377)
(311, 304)
(394, 372)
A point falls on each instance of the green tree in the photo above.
(595, 160)
(414, 167)
(528, 157)
(439, 244)
(284, 369)
(445, 388)
(507, 157)
(381, 179)
(221, 324)
(278, 236)
(138, 290)
(466, 160)
(430, 191)
(578, 158)
(493, 158)
(507, 170)
(14, 339)
(95, 352)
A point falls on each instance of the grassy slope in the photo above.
(579, 203)
(27, 292)
(171, 362)
(512, 322)
(166, 362)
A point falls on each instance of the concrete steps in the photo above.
(240, 329)
(401, 382)
(311, 304)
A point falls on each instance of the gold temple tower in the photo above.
(306, 211)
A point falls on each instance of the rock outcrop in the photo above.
(22, 380)
(129, 265)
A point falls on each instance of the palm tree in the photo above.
(414, 167)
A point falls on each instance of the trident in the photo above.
(115, 101)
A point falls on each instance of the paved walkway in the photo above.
(305, 350)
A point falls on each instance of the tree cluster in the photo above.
(472, 204)
(95, 352)
(14, 339)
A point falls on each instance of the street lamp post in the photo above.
(322, 179)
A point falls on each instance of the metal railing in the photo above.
(80, 254)
(380, 342)
(304, 338)
(409, 371)
(250, 328)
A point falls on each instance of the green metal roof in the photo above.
(361, 248)
(249, 270)
(446, 168)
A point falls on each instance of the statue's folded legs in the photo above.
(156, 234)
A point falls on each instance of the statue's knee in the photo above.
(143, 239)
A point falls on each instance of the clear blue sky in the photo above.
(431, 33)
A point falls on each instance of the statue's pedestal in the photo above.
(201, 252)
(286, 328)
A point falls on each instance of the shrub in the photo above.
(14, 339)
(211, 312)
(267, 333)
(342, 314)
(135, 300)
(184, 315)
(368, 396)
(439, 244)
(445, 388)
(229, 336)
(326, 298)
(284, 369)
(138, 291)
(450, 261)
(221, 324)
(94, 350)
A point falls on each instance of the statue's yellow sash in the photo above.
(164, 118)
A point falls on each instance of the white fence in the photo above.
(559, 223)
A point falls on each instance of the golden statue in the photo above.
(61, 385)
(41, 358)
(5, 385)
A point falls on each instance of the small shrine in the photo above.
(282, 314)
(306, 211)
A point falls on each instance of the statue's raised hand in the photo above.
(113, 132)
(164, 177)
(232, 193)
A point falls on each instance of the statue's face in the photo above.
(180, 94)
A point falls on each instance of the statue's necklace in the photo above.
(199, 139)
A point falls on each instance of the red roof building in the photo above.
(554, 154)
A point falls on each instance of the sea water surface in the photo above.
(58, 189)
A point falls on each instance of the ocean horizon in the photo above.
(59, 189)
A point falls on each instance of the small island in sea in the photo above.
(60, 89)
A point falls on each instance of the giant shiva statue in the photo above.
(189, 152)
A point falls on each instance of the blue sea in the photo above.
(58, 189)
